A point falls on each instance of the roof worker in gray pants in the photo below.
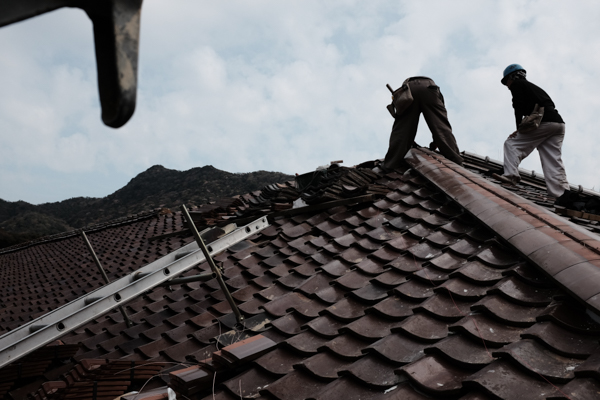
(547, 138)
(427, 99)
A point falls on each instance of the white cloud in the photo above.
(284, 86)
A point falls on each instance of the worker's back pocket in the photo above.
(438, 92)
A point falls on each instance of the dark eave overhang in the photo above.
(569, 254)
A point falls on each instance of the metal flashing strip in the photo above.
(49, 327)
(567, 253)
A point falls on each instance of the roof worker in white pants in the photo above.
(547, 138)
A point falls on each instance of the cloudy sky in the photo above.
(285, 86)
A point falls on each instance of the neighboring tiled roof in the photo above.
(445, 287)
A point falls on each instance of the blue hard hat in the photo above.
(510, 69)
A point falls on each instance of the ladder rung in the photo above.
(90, 300)
(35, 328)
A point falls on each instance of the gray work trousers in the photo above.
(547, 139)
(427, 100)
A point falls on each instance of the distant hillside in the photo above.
(153, 188)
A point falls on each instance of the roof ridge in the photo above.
(569, 254)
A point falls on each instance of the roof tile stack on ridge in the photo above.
(409, 296)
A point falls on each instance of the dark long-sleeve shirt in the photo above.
(526, 95)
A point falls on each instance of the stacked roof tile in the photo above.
(423, 292)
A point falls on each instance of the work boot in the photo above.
(564, 200)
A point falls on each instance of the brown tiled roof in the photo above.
(447, 286)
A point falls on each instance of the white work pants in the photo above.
(547, 139)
